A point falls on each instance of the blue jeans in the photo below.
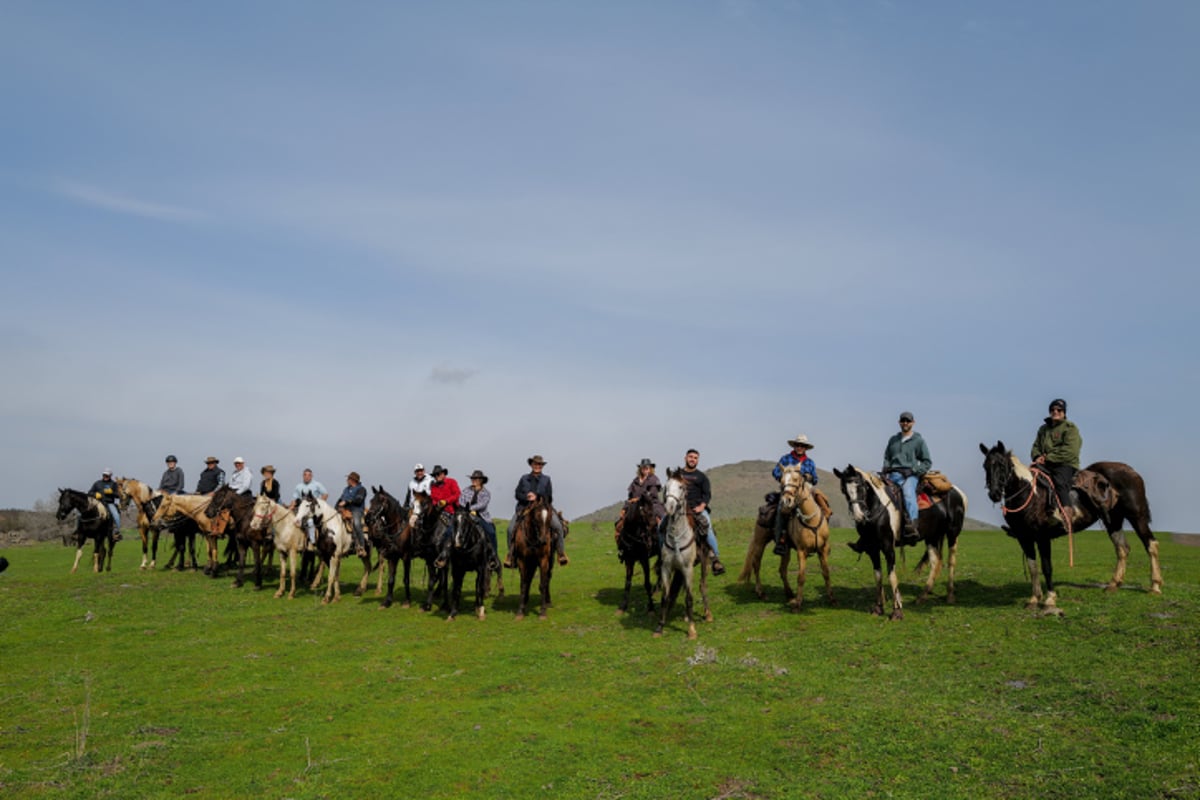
(711, 536)
(116, 515)
(908, 487)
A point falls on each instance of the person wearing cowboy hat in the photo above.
(212, 478)
(797, 456)
(1056, 450)
(105, 490)
(644, 484)
(269, 486)
(240, 480)
(172, 478)
(475, 499)
(354, 501)
(533, 485)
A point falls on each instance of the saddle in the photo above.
(934, 486)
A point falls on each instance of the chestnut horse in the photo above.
(1108, 491)
(877, 518)
(94, 523)
(240, 508)
(533, 550)
(193, 506)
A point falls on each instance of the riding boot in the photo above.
(911, 535)
(562, 556)
(857, 546)
(781, 547)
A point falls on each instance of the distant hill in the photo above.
(738, 491)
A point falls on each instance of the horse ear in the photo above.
(983, 448)
(838, 473)
(1000, 446)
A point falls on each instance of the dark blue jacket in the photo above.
(538, 484)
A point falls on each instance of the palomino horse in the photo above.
(334, 543)
(877, 518)
(280, 523)
(193, 506)
(94, 523)
(533, 551)
(807, 527)
(131, 490)
(679, 552)
(1107, 490)
(764, 536)
(470, 551)
(636, 533)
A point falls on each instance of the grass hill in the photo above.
(738, 491)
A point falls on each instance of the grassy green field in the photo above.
(154, 684)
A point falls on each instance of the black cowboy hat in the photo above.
(478, 474)
(535, 460)
(438, 469)
(645, 462)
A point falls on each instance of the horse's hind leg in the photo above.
(1142, 527)
(1122, 550)
(649, 588)
(935, 567)
(621, 609)
(687, 606)
(951, 564)
(1049, 603)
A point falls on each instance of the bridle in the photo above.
(793, 489)
(679, 500)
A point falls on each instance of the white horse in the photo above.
(289, 538)
(332, 546)
(678, 551)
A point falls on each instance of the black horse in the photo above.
(426, 526)
(637, 541)
(388, 527)
(94, 522)
(469, 551)
(240, 508)
(877, 518)
(1108, 491)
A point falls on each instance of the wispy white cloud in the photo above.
(97, 197)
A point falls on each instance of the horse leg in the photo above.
(154, 548)
(645, 561)
(935, 566)
(823, 556)
(407, 582)
(785, 561)
(664, 601)
(241, 564)
(333, 592)
(1049, 605)
(481, 588)
(621, 609)
(951, 563)
(689, 600)
(544, 584)
(144, 533)
(78, 556)
(283, 576)
(457, 574)
(1030, 550)
(526, 580)
(1117, 537)
(258, 564)
(801, 570)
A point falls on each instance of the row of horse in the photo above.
(399, 533)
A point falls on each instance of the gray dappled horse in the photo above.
(679, 550)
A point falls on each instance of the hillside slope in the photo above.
(738, 491)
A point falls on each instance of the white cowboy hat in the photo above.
(801, 441)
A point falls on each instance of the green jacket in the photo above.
(910, 457)
(1059, 443)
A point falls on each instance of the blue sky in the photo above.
(361, 235)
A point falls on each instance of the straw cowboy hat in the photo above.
(478, 474)
(212, 460)
(801, 441)
(535, 460)
(268, 468)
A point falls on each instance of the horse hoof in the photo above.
(449, 619)
(761, 595)
(877, 611)
(481, 615)
(1155, 589)
(324, 601)
(1112, 587)
(708, 617)
(279, 594)
(691, 631)
(1031, 605)
(520, 617)
(898, 614)
(406, 605)
(358, 592)
(542, 615)
(950, 599)
(658, 634)
(620, 612)
(1052, 611)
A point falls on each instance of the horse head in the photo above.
(790, 488)
(997, 469)
(675, 492)
(264, 510)
(855, 490)
(222, 500)
(65, 504)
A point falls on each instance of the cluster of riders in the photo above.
(450, 527)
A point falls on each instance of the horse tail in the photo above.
(748, 567)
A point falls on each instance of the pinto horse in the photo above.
(679, 552)
(131, 490)
(334, 543)
(240, 509)
(1107, 490)
(878, 519)
(533, 551)
(636, 534)
(94, 523)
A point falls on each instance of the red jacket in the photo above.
(446, 490)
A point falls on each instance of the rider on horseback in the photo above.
(905, 459)
(797, 456)
(1056, 450)
(530, 487)
(644, 484)
(444, 494)
(105, 490)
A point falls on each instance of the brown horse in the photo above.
(637, 533)
(240, 510)
(131, 490)
(1108, 491)
(807, 527)
(533, 550)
